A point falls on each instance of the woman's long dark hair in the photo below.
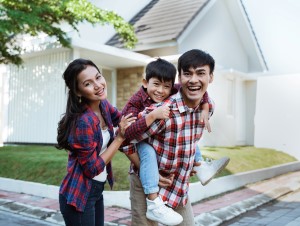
(74, 107)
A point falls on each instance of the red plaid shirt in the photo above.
(174, 141)
(84, 162)
(136, 104)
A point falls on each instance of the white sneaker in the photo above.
(158, 211)
(210, 168)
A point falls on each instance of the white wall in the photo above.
(277, 113)
(229, 121)
(3, 96)
(36, 98)
(276, 24)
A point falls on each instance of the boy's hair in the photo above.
(162, 70)
(195, 58)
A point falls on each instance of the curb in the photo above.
(214, 218)
(219, 216)
(39, 213)
(45, 214)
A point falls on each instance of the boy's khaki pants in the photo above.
(139, 206)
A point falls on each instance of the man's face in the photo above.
(194, 83)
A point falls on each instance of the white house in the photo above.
(33, 97)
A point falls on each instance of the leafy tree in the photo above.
(32, 17)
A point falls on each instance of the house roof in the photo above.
(162, 21)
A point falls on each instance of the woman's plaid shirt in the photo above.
(84, 162)
(174, 140)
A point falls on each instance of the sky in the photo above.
(276, 24)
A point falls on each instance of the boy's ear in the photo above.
(145, 83)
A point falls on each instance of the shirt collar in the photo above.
(144, 94)
(181, 105)
(92, 114)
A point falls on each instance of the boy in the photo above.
(157, 86)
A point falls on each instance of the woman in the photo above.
(86, 131)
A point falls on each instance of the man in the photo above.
(174, 139)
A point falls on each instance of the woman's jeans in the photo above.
(149, 174)
(93, 214)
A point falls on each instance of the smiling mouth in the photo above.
(100, 92)
(194, 88)
(159, 97)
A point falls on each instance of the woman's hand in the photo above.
(125, 122)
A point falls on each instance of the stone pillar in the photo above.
(129, 80)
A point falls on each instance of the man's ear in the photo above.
(145, 83)
(211, 77)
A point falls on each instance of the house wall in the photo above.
(36, 98)
(277, 113)
(3, 93)
(129, 80)
(250, 103)
(216, 34)
(229, 119)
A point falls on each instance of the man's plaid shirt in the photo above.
(174, 141)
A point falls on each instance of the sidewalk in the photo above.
(212, 211)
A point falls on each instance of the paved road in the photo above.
(283, 212)
(11, 219)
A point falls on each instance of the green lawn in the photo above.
(46, 164)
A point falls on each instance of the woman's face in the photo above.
(91, 85)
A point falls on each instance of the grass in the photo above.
(46, 164)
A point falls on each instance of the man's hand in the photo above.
(165, 181)
(193, 172)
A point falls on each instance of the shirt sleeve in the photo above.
(205, 98)
(136, 128)
(84, 146)
(155, 128)
(211, 106)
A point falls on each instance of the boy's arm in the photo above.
(204, 117)
(205, 112)
(142, 123)
(205, 98)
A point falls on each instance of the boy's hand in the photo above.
(204, 117)
(161, 112)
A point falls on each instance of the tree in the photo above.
(33, 17)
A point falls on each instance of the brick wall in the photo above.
(129, 80)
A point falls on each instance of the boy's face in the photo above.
(157, 90)
(194, 83)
